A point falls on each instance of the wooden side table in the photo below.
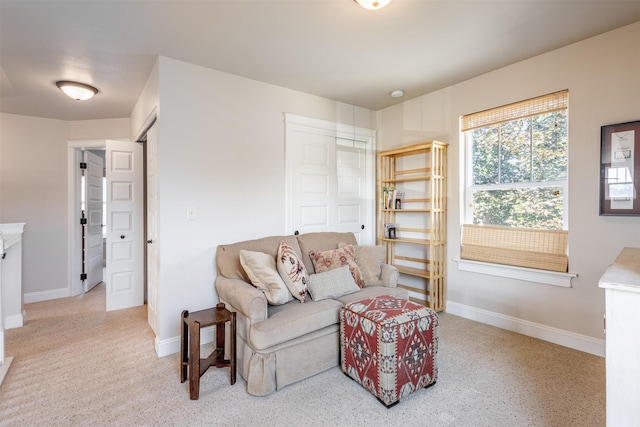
(190, 345)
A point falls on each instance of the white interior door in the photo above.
(329, 183)
(125, 234)
(153, 255)
(93, 249)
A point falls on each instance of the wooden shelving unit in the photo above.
(419, 248)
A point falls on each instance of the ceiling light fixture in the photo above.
(398, 93)
(373, 4)
(77, 91)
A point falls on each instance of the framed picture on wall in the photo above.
(620, 169)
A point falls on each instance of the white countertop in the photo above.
(624, 273)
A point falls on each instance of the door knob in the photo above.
(296, 232)
(122, 236)
(149, 241)
(362, 227)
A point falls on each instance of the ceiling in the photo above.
(330, 48)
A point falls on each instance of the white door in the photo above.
(125, 234)
(153, 255)
(92, 245)
(329, 184)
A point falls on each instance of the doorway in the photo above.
(93, 208)
(124, 236)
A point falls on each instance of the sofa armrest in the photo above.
(389, 275)
(242, 297)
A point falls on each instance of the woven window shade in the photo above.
(531, 107)
(541, 249)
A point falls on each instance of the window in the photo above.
(516, 184)
(517, 164)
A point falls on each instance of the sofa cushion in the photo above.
(370, 259)
(292, 271)
(321, 241)
(328, 260)
(262, 271)
(228, 256)
(332, 284)
(293, 320)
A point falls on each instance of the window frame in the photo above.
(470, 188)
(528, 274)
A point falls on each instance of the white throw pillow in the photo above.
(262, 271)
(332, 284)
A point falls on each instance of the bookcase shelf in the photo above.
(419, 248)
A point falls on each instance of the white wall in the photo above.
(221, 150)
(603, 78)
(33, 189)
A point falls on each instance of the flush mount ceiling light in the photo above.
(77, 91)
(373, 4)
(398, 93)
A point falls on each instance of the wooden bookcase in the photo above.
(419, 247)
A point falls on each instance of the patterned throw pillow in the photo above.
(328, 260)
(292, 271)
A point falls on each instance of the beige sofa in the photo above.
(280, 344)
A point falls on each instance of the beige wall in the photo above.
(33, 189)
(603, 78)
(99, 129)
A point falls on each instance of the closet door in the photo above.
(329, 181)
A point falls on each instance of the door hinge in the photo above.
(83, 221)
(83, 165)
(83, 276)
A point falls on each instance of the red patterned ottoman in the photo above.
(389, 345)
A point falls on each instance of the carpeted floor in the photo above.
(75, 364)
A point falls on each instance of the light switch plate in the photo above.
(191, 213)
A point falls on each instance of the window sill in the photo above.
(530, 274)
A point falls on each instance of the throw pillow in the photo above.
(262, 271)
(332, 284)
(370, 259)
(292, 271)
(328, 260)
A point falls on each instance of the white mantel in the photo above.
(621, 282)
(11, 300)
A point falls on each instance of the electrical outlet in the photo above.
(191, 213)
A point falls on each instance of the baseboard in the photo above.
(536, 330)
(4, 368)
(46, 295)
(14, 321)
(172, 345)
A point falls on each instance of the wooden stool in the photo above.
(190, 345)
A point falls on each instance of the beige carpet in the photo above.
(77, 365)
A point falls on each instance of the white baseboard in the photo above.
(14, 321)
(4, 368)
(172, 345)
(45, 295)
(536, 330)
